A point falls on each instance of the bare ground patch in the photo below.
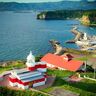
(62, 92)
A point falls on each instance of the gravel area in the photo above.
(62, 92)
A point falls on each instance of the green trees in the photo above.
(9, 92)
(88, 17)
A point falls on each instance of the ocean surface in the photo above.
(22, 32)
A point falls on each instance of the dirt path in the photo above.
(62, 92)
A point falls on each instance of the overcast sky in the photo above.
(37, 0)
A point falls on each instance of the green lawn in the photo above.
(10, 92)
(13, 64)
(84, 87)
(16, 64)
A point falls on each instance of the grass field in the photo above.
(11, 65)
(16, 64)
(84, 87)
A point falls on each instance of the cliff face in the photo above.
(89, 19)
(85, 20)
(41, 16)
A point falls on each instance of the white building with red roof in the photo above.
(64, 62)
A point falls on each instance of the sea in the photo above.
(21, 32)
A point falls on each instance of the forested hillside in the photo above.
(87, 17)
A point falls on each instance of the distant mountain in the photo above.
(66, 5)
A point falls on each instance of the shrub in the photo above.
(4, 91)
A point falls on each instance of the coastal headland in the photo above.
(86, 17)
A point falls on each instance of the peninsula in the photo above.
(86, 17)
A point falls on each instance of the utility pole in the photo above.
(86, 64)
(94, 73)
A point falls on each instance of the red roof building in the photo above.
(64, 62)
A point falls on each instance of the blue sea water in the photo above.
(22, 32)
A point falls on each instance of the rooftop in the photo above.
(59, 61)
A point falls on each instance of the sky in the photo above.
(26, 1)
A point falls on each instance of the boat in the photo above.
(82, 43)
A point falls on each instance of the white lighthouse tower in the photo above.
(30, 61)
(85, 36)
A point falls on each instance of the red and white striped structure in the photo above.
(32, 76)
(32, 65)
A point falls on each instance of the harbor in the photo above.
(83, 40)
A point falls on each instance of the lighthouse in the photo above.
(85, 36)
(32, 76)
(30, 62)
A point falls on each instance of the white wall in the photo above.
(52, 66)
(61, 68)
(42, 69)
(25, 87)
(12, 84)
(39, 84)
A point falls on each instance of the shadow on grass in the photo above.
(85, 86)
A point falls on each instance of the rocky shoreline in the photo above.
(77, 34)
